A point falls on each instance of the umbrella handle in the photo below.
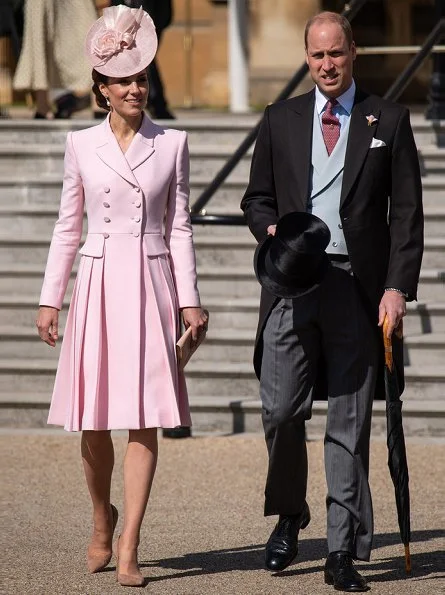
(407, 559)
(387, 343)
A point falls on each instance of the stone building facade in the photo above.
(193, 53)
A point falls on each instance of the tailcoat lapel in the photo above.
(359, 141)
(299, 130)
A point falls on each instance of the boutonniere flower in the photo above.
(371, 119)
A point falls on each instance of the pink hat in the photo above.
(122, 42)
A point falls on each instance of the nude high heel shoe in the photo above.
(126, 580)
(97, 560)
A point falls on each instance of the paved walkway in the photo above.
(204, 531)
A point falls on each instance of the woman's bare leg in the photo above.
(139, 469)
(98, 461)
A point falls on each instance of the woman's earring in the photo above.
(107, 101)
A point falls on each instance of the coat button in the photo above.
(137, 203)
(137, 219)
(106, 235)
(106, 205)
(136, 234)
(340, 226)
(137, 189)
(335, 244)
(107, 219)
(106, 189)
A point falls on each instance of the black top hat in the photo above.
(293, 261)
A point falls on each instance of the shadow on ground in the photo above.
(251, 558)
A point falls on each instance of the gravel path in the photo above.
(204, 531)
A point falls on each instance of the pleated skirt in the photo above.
(117, 367)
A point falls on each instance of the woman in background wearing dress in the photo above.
(53, 33)
(117, 366)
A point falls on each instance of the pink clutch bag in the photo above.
(186, 347)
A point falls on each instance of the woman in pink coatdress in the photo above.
(117, 367)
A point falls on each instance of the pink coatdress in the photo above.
(117, 366)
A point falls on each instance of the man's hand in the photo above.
(392, 305)
(47, 324)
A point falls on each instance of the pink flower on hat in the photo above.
(111, 42)
(122, 42)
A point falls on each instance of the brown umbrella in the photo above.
(397, 463)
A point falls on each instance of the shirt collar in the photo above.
(346, 100)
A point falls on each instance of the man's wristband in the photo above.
(405, 295)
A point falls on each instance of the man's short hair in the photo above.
(330, 17)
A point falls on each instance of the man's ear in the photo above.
(353, 50)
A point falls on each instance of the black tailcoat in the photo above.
(381, 198)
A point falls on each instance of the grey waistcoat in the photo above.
(327, 179)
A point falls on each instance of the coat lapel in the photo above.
(110, 153)
(359, 141)
(299, 130)
(142, 146)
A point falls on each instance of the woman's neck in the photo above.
(125, 127)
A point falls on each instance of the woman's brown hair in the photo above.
(99, 78)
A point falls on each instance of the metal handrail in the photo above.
(406, 75)
(350, 11)
(376, 50)
(392, 94)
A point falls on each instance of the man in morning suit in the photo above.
(350, 159)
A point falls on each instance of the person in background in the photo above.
(137, 275)
(161, 11)
(348, 158)
(49, 59)
(11, 23)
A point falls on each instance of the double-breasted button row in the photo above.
(107, 206)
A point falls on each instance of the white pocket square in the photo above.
(377, 143)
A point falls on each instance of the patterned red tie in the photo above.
(331, 126)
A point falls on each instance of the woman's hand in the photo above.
(47, 324)
(196, 318)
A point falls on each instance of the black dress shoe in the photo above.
(178, 432)
(161, 113)
(69, 103)
(339, 571)
(97, 115)
(282, 546)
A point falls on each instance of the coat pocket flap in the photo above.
(93, 246)
(155, 244)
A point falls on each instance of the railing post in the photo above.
(238, 63)
(436, 97)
